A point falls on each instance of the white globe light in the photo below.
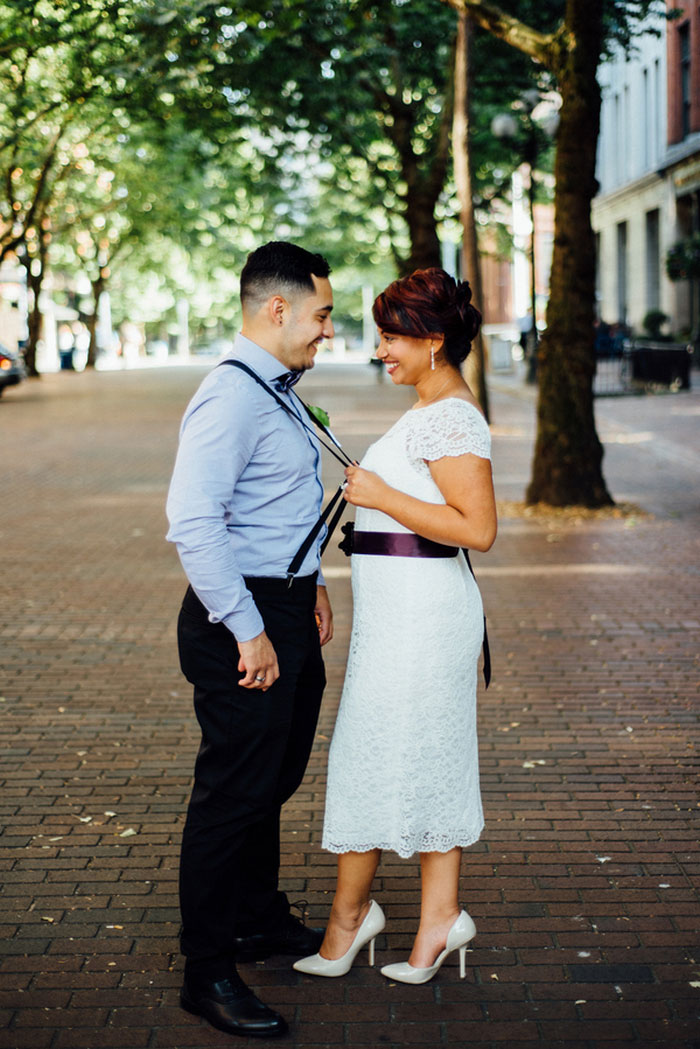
(504, 126)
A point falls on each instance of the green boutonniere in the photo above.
(319, 414)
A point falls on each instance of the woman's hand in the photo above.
(364, 488)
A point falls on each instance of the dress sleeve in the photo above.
(452, 427)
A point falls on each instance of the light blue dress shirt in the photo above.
(246, 489)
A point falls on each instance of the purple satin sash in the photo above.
(399, 544)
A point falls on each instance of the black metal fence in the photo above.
(635, 366)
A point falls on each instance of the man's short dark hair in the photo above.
(279, 267)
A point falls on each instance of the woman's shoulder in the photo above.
(450, 408)
(451, 426)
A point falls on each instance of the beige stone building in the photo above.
(649, 174)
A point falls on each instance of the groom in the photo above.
(245, 491)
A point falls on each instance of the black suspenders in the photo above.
(337, 503)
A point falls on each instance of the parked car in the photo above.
(12, 368)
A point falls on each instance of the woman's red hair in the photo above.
(430, 303)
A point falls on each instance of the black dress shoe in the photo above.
(290, 937)
(231, 1006)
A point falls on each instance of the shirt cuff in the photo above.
(243, 625)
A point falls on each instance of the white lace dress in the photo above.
(403, 770)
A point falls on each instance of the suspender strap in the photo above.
(487, 650)
(298, 559)
(335, 518)
(303, 550)
(342, 458)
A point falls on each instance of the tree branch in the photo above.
(14, 138)
(11, 240)
(543, 47)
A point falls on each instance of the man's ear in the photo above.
(277, 308)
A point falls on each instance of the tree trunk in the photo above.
(33, 327)
(98, 286)
(424, 177)
(422, 230)
(34, 283)
(463, 168)
(568, 455)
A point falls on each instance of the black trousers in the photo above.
(254, 750)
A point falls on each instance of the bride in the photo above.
(403, 769)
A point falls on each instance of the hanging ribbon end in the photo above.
(346, 544)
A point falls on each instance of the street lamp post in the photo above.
(530, 155)
(529, 133)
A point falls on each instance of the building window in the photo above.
(622, 272)
(657, 144)
(625, 142)
(653, 266)
(648, 124)
(686, 98)
(598, 293)
(617, 131)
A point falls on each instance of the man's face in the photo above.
(307, 322)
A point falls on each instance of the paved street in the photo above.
(584, 885)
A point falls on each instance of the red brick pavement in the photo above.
(583, 886)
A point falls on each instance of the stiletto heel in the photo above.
(316, 965)
(463, 930)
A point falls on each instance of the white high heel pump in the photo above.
(316, 965)
(462, 931)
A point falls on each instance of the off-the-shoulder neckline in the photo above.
(442, 400)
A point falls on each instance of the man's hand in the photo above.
(258, 662)
(324, 615)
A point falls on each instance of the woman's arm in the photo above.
(468, 517)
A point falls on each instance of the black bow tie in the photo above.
(286, 381)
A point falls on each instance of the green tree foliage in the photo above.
(123, 121)
(95, 157)
(368, 85)
(70, 72)
(217, 126)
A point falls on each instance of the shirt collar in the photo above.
(265, 364)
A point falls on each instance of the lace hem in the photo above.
(408, 847)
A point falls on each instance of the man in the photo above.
(245, 492)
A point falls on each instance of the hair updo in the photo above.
(429, 303)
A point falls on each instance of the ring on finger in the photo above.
(258, 678)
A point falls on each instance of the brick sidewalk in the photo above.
(583, 887)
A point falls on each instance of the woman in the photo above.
(403, 764)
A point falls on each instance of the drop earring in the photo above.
(432, 358)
